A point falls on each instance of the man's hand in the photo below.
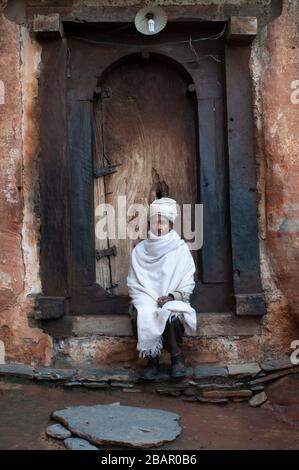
(165, 298)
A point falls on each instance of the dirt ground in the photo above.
(26, 409)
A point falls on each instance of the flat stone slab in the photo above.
(257, 388)
(209, 371)
(168, 392)
(226, 393)
(121, 385)
(276, 364)
(73, 383)
(95, 384)
(104, 375)
(75, 443)
(252, 368)
(124, 425)
(17, 370)
(58, 431)
(258, 399)
(47, 373)
(234, 386)
(274, 375)
(164, 375)
(212, 400)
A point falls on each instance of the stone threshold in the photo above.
(203, 383)
(209, 325)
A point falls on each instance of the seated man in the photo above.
(160, 282)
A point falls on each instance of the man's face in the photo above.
(160, 225)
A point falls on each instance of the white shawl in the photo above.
(159, 266)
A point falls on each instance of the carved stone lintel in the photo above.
(242, 29)
(250, 304)
(49, 307)
(48, 26)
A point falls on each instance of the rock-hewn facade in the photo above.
(275, 83)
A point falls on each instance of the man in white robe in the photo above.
(160, 282)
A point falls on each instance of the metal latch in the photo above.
(102, 93)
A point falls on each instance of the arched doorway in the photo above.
(145, 131)
(159, 115)
(229, 261)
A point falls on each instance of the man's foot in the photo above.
(151, 369)
(178, 370)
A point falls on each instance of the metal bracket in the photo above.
(111, 251)
(191, 89)
(112, 286)
(105, 170)
(102, 93)
(50, 307)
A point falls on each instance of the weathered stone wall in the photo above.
(275, 67)
(19, 263)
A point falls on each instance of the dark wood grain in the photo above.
(171, 141)
(242, 176)
(54, 172)
(149, 125)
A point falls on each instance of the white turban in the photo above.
(164, 206)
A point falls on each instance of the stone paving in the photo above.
(203, 383)
(127, 426)
(27, 406)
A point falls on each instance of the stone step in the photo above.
(209, 325)
(92, 340)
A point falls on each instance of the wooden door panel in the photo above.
(102, 266)
(149, 124)
(214, 193)
(169, 144)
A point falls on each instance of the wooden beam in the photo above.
(50, 307)
(216, 265)
(242, 186)
(250, 304)
(48, 26)
(175, 13)
(242, 28)
(54, 171)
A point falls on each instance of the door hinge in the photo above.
(113, 286)
(102, 93)
(105, 170)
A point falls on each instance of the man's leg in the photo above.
(173, 338)
(152, 367)
(133, 315)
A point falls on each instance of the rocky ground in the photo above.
(26, 409)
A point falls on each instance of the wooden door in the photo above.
(144, 119)
(134, 107)
(145, 123)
